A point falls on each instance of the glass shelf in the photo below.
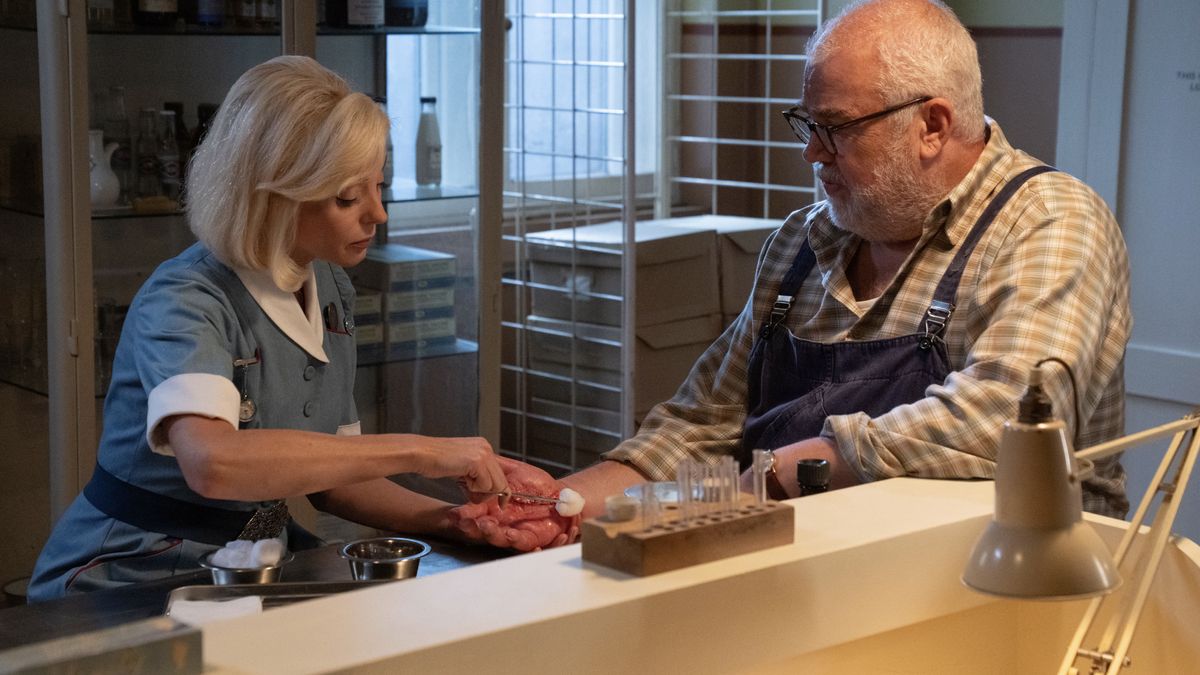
(459, 346)
(180, 28)
(401, 192)
(398, 30)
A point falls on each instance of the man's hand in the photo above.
(518, 525)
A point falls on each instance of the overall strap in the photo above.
(801, 266)
(942, 307)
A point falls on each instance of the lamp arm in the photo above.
(1102, 450)
(1121, 626)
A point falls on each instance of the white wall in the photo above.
(1134, 126)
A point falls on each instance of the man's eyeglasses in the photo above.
(805, 128)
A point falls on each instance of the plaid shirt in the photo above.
(1050, 277)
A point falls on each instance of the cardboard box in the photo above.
(368, 338)
(676, 273)
(430, 301)
(393, 268)
(739, 241)
(412, 338)
(368, 325)
(591, 354)
(368, 306)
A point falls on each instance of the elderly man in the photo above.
(893, 325)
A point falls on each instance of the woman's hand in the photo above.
(471, 460)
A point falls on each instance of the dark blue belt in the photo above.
(166, 515)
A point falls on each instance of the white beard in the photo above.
(893, 207)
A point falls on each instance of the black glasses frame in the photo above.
(805, 128)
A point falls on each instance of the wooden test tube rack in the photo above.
(629, 547)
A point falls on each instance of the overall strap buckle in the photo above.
(936, 318)
(783, 304)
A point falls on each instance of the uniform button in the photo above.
(309, 371)
(308, 409)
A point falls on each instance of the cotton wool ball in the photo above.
(235, 554)
(570, 503)
(266, 552)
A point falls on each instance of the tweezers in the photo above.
(526, 497)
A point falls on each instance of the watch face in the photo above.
(246, 410)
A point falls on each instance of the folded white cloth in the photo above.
(200, 612)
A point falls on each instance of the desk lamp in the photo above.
(1037, 545)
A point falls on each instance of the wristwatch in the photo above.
(774, 487)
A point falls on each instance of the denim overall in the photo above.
(795, 384)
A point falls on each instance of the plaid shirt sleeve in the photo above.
(1049, 278)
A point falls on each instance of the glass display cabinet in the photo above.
(98, 92)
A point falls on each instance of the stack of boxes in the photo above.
(683, 302)
(405, 305)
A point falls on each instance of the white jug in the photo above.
(106, 187)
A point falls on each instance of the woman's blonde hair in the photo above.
(289, 131)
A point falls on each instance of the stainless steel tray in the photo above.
(273, 595)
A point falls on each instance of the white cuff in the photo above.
(352, 429)
(201, 394)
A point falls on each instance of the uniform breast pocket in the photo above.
(338, 322)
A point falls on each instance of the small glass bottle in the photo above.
(268, 14)
(116, 130)
(407, 13)
(209, 13)
(812, 475)
(168, 155)
(155, 12)
(147, 154)
(183, 139)
(245, 13)
(354, 13)
(429, 145)
(100, 14)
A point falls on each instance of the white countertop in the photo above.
(865, 560)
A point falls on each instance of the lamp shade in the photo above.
(1037, 545)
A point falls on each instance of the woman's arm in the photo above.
(383, 505)
(220, 462)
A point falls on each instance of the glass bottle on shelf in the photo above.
(406, 13)
(168, 155)
(117, 130)
(267, 12)
(429, 145)
(245, 13)
(147, 154)
(100, 14)
(183, 140)
(209, 13)
(155, 12)
(354, 13)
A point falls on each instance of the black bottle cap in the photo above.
(812, 473)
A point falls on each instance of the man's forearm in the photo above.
(599, 481)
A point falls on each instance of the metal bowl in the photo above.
(384, 557)
(223, 576)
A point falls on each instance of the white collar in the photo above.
(280, 306)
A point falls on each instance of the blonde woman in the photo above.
(232, 384)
